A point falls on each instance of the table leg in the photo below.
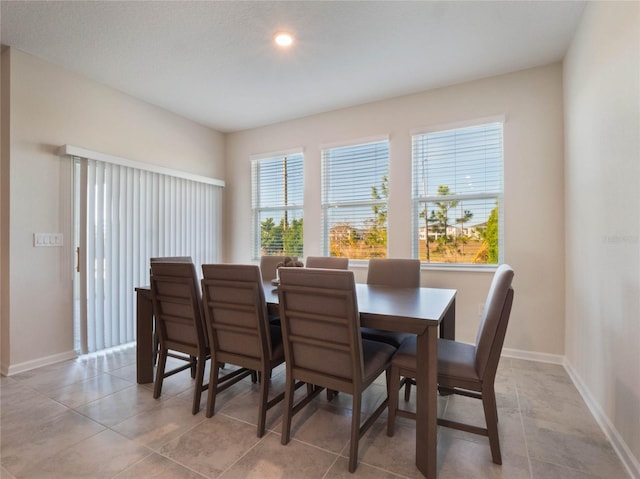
(448, 323)
(144, 337)
(427, 402)
(448, 331)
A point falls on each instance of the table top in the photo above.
(409, 310)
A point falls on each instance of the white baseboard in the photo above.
(37, 363)
(533, 356)
(618, 443)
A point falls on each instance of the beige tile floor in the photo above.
(87, 418)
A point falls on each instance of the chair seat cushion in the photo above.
(455, 360)
(394, 338)
(377, 357)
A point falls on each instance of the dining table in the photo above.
(428, 313)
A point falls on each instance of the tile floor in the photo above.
(87, 418)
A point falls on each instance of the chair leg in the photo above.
(355, 432)
(407, 389)
(199, 377)
(288, 408)
(264, 396)
(331, 394)
(387, 378)
(194, 366)
(156, 347)
(394, 385)
(491, 418)
(213, 387)
(162, 362)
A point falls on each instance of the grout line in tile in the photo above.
(175, 461)
(335, 460)
(260, 440)
(524, 433)
(134, 464)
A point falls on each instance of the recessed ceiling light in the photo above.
(283, 39)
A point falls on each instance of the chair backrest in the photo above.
(321, 327)
(177, 305)
(236, 313)
(396, 272)
(494, 321)
(269, 263)
(327, 262)
(171, 259)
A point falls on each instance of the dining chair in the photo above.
(465, 369)
(169, 259)
(268, 265)
(239, 332)
(177, 308)
(323, 346)
(397, 273)
(327, 262)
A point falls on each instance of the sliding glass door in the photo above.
(123, 217)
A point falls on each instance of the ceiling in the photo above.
(214, 61)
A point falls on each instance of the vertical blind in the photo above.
(277, 194)
(457, 184)
(354, 200)
(131, 216)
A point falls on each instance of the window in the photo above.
(457, 195)
(277, 200)
(355, 187)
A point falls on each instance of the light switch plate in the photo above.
(47, 239)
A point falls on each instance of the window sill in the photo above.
(484, 268)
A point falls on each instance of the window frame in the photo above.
(417, 199)
(256, 209)
(325, 190)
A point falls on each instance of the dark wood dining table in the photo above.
(426, 312)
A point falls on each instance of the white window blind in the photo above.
(354, 200)
(457, 195)
(277, 192)
(132, 215)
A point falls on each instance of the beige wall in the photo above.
(602, 118)
(51, 107)
(531, 102)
